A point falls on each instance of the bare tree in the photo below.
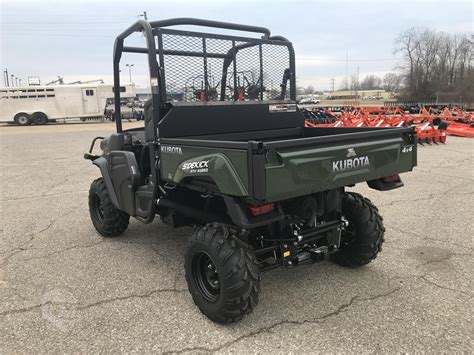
(435, 63)
(406, 43)
(354, 83)
(392, 82)
(371, 82)
(300, 90)
(344, 85)
(309, 90)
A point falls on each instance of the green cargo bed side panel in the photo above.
(227, 168)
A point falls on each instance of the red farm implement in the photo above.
(461, 129)
(429, 127)
(432, 124)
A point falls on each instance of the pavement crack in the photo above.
(80, 246)
(430, 196)
(122, 298)
(94, 304)
(43, 195)
(23, 310)
(424, 278)
(32, 236)
(443, 175)
(59, 183)
(23, 247)
(424, 237)
(342, 308)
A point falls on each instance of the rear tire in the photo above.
(108, 220)
(222, 272)
(363, 238)
(22, 119)
(39, 118)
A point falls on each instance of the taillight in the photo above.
(391, 178)
(259, 210)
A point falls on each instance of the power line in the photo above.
(55, 35)
(63, 22)
(348, 60)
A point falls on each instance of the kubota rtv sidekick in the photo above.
(260, 189)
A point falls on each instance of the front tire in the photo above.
(107, 219)
(362, 240)
(222, 273)
(22, 119)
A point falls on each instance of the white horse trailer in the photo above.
(38, 104)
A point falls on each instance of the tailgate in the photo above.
(332, 162)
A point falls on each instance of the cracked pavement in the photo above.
(63, 288)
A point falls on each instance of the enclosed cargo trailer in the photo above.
(39, 104)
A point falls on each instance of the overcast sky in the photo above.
(74, 39)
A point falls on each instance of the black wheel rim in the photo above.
(97, 208)
(206, 277)
(40, 119)
(348, 235)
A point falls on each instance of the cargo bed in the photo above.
(280, 164)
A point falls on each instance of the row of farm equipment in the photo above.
(432, 125)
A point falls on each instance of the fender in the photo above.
(218, 167)
(101, 162)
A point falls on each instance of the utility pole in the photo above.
(130, 70)
(7, 83)
(332, 83)
(357, 82)
(357, 77)
(347, 65)
(13, 80)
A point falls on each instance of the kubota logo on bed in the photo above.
(196, 166)
(351, 163)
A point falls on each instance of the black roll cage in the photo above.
(154, 29)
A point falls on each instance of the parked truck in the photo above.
(238, 164)
(40, 104)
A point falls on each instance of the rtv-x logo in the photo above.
(353, 162)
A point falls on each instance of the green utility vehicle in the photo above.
(224, 148)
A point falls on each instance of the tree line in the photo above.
(434, 66)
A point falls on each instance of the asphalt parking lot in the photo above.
(65, 289)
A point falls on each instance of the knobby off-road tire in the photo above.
(222, 273)
(363, 238)
(107, 219)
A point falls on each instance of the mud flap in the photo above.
(102, 164)
(126, 177)
(386, 183)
